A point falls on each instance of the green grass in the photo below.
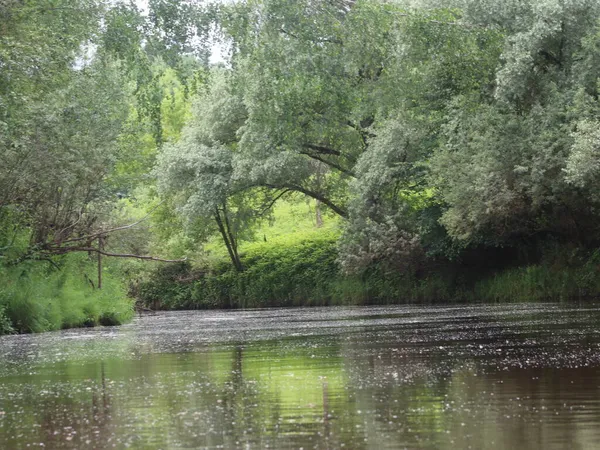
(291, 221)
(35, 297)
(293, 263)
(538, 283)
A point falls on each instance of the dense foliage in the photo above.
(82, 111)
(435, 129)
(440, 134)
(35, 298)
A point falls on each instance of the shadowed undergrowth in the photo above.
(304, 271)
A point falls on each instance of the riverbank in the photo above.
(290, 270)
(306, 273)
(36, 297)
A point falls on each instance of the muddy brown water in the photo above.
(480, 377)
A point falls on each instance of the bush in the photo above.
(303, 271)
(169, 287)
(281, 273)
(5, 324)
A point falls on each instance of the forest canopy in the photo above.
(430, 129)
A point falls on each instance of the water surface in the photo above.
(481, 377)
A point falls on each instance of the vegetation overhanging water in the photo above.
(307, 152)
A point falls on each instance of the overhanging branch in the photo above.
(93, 236)
(316, 195)
(323, 150)
(272, 202)
(329, 163)
(64, 250)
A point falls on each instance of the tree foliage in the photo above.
(431, 127)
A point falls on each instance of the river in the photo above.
(460, 377)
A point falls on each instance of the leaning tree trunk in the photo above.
(228, 238)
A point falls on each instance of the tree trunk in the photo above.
(318, 215)
(100, 248)
(228, 239)
(232, 238)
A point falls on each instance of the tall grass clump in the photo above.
(5, 323)
(539, 282)
(36, 296)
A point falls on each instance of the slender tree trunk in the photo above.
(318, 215)
(231, 246)
(232, 240)
(101, 248)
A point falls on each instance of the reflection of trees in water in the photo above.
(79, 414)
(428, 399)
(282, 397)
(239, 418)
(301, 393)
(399, 393)
(529, 408)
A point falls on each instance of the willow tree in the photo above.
(435, 56)
(60, 119)
(67, 91)
(489, 142)
(511, 167)
(197, 172)
(308, 74)
(291, 115)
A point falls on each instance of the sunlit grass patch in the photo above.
(37, 298)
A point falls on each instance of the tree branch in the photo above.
(360, 129)
(323, 150)
(63, 250)
(329, 163)
(337, 209)
(551, 57)
(441, 22)
(91, 237)
(363, 133)
(272, 202)
(318, 40)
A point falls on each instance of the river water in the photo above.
(480, 377)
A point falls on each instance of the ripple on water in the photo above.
(487, 376)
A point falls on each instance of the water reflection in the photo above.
(360, 378)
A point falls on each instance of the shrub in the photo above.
(5, 324)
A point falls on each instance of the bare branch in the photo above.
(63, 250)
(316, 195)
(270, 205)
(91, 237)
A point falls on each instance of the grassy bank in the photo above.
(37, 297)
(303, 271)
